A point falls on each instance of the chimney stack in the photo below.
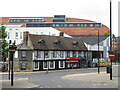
(25, 37)
(61, 34)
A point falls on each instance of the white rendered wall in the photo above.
(32, 30)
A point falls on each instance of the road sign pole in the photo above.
(11, 69)
(12, 50)
(111, 56)
(111, 70)
(9, 66)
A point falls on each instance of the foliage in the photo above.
(3, 42)
(106, 33)
(117, 56)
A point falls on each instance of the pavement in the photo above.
(18, 83)
(103, 77)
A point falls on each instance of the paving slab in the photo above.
(102, 77)
(18, 83)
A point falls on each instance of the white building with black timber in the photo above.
(41, 52)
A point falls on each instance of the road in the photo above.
(55, 80)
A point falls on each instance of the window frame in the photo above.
(61, 54)
(37, 65)
(23, 54)
(53, 65)
(16, 35)
(63, 64)
(44, 64)
(21, 65)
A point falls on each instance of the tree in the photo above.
(106, 33)
(117, 56)
(3, 42)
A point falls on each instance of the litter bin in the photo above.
(108, 69)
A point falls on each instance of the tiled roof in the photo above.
(22, 46)
(91, 40)
(67, 30)
(65, 43)
(82, 30)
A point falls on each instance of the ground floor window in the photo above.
(45, 65)
(61, 64)
(72, 65)
(51, 64)
(36, 65)
(23, 65)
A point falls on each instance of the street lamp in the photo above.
(111, 37)
(98, 48)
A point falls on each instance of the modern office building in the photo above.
(70, 26)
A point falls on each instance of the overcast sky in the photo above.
(95, 10)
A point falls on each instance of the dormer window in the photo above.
(75, 42)
(56, 42)
(41, 41)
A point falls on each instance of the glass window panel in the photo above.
(51, 64)
(39, 54)
(45, 64)
(36, 65)
(74, 54)
(23, 53)
(16, 35)
(61, 54)
(61, 63)
(21, 35)
(68, 53)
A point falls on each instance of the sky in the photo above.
(94, 10)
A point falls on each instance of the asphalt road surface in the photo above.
(55, 80)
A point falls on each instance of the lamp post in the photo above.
(98, 52)
(111, 37)
(98, 48)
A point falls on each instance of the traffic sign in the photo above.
(12, 49)
(72, 58)
(111, 55)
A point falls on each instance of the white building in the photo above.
(15, 33)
